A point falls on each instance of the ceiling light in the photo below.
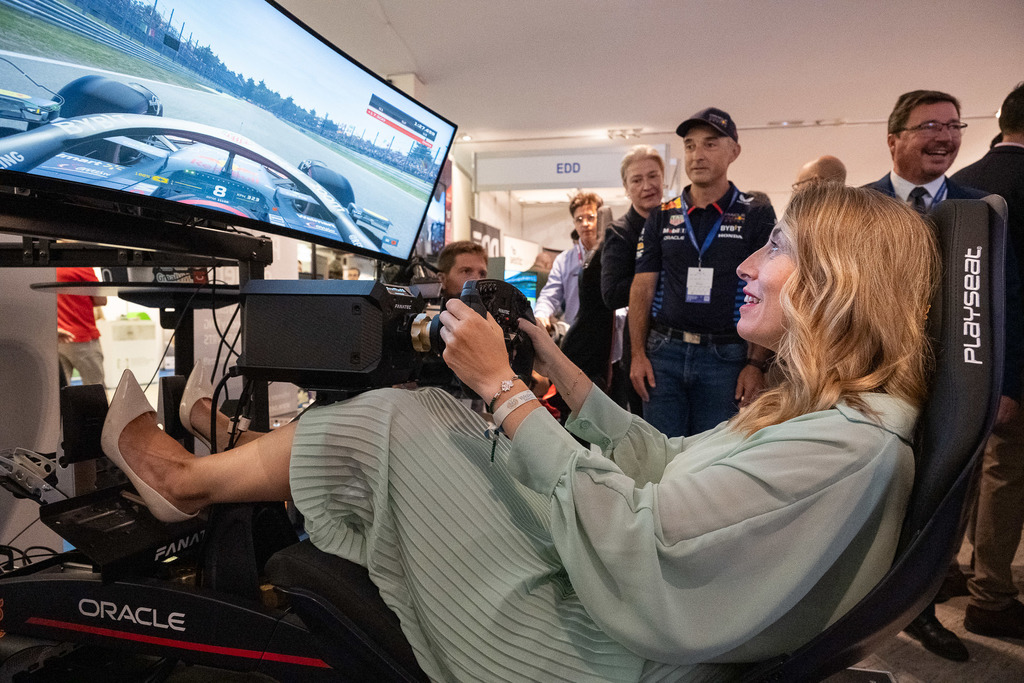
(624, 133)
(466, 138)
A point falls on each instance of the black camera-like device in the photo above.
(329, 334)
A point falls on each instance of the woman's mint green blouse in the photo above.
(718, 547)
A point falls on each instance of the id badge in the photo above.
(698, 285)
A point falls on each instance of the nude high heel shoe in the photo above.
(197, 387)
(128, 403)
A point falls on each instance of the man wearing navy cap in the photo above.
(688, 363)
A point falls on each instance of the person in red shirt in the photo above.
(78, 338)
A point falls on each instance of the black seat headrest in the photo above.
(966, 323)
(966, 326)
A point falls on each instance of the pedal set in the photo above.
(27, 474)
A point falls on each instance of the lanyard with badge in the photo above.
(700, 279)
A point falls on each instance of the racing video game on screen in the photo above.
(222, 104)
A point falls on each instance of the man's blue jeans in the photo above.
(696, 384)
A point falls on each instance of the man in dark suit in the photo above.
(924, 135)
(924, 139)
(995, 527)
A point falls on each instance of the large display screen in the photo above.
(228, 106)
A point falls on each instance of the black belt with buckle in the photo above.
(696, 337)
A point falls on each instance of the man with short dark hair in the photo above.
(924, 138)
(924, 135)
(688, 362)
(458, 263)
(995, 528)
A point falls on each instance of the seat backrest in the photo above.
(966, 325)
(966, 322)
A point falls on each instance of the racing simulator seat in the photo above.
(950, 441)
(271, 605)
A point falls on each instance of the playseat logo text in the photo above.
(165, 552)
(972, 305)
(141, 616)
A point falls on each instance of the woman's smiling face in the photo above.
(762, 320)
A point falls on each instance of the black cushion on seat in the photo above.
(965, 384)
(347, 587)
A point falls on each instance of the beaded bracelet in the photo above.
(576, 381)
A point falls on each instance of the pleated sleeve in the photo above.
(684, 550)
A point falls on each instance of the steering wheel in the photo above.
(507, 305)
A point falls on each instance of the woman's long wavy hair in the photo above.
(855, 306)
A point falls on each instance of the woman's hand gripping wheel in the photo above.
(506, 305)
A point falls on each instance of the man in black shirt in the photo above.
(688, 362)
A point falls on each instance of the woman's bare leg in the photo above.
(200, 419)
(255, 471)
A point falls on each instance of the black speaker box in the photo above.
(329, 334)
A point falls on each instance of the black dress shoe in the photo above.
(937, 638)
(996, 623)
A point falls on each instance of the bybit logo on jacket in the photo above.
(972, 305)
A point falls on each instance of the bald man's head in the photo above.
(824, 169)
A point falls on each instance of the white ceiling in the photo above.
(538, 69)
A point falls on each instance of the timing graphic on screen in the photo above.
(262, 121)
